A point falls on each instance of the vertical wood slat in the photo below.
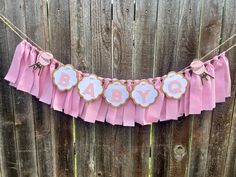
(81, 57)
(210, 37)
(101, 21)
(229, 28)
(143, 59)
(8, 149)
(186, 51)
(122, 29)
(122, 41)
(201, 124)
(37, 29)
(166, 39)
(22, 102)
(61, 124)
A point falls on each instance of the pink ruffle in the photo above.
(200, 94)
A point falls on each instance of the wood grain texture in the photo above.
(8, 148)
(229, 28)
(101, 20)
(210, 37)
(201, 125)
(61, 124)
(144, 38)
(165, 52)
(186, 51)
(143, 60)
(122, 38)
(37, 29)
(81, 54)
(122, 48)
(22, 102)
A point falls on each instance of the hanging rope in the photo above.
(23, 36)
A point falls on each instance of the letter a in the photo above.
(89, 90)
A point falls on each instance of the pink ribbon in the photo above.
(14, 70)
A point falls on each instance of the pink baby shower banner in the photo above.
(119, 102)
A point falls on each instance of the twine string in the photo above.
(23, 36)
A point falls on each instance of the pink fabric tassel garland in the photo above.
(201, 93)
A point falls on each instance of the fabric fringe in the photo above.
(201, 94)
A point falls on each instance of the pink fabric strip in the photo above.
(220, 82)
(187, 93)
(154, 110)
(227, 78)
(47, 85)
(14, 69)
(92, 110)
(102, 113)
(36, 86)
(129, 109)
(172, 109)
(44, 78)
(195, 97)
(208, 93)
(68, 102)
(23, 66)
(58, 100)
(111, 114)
(119, 115)
(27, 80)
(75, 103)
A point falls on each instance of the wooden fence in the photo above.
(123, 39)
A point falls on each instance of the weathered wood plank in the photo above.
(165, 51)
(22, 102)
(8, 149)
(201, 125)
(144, 38)
(37, 29)
(185, 24)
(143, 60)
(101, 26)
(122, 32)
(81, 54)
(61, 124)
(229, 28)
(185, 52)
(209, 38)
(101, 20)
(188, 19)
(230, 164)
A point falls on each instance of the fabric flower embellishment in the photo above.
(174, 85)
(65, 77)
